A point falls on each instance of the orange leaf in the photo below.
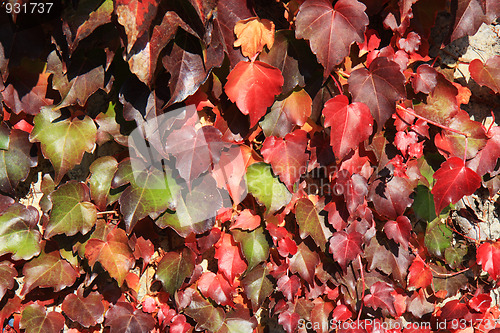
(253, 33)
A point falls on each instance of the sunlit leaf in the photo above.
(72, 211)
(114, 254)
(63, 142)
(48, 270)
(174, 268)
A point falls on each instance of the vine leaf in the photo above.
(379, 87)
(289, 286)
(206, 315)
(392, 198)
(72, 211)
(149, 192)
(186, 67)
(246, 220)
(122, 317)
(471, 14)
(425, 79)
(438, 237)
(257, 286)
(266, 188)
(35, 320)
(285, 114)
(63, 142)
(253, 34)
(7, 275)
(136, 17)
(453, 181)
(195, 150)
(304, 262)
(143, 62)
(194, 209)
(48, 270)
(230, 259)
(331, 30)
(381, 297)
(310, 224)
(345, 247)
(441, 103)
(419, 274)
(399, 230)
(486, 159)
(350, 123)
(80, 23)
(114, 254)
(254, 246)
(253, 86)
(174, 268)
(27, 88)
(19, 233)
(488, 255)
(487, 74)
(229, 12)
(217, 288)
(102, 171)
(87, 311)
(15, 161)
(287, 156)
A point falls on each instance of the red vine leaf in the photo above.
(425, 79)
(331, 30)
(7, 275)
(345, 247)
(253, 86)
(122, 317)
(419, 275)
(136, 17)
(488, 256)
(471, 14)
(379, 87)
(87, 311)
(399, 230)
(217, 288)
(230, 259)
(487, 74)
(304, 262)
(287, 156)
(381, 297)
(453, 181)
(351, 123)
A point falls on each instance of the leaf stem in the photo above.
(108, 212)
(433, 122)
(337, 84)
(364, 287)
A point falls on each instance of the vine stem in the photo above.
(364, 286)
(337, 84)
(433, 122)
(432, 269)
(108, 212)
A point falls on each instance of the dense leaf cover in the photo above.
(310, 185)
